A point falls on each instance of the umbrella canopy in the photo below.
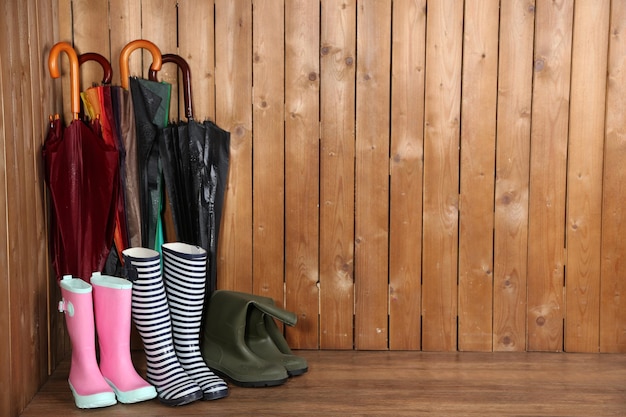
(151, 109)
(217, 141)
(100, 103)
(195, 158)
(174, 153)
(82, 174)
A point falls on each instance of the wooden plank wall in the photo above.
(27, 97)
(412, 174)
(436, 175)
(407, 174)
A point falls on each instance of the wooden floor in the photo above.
(348, 383)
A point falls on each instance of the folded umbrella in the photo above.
(195, 159)
(100, 103)
(174, 153)
(82, 174)
(151, 109)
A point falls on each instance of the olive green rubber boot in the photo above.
(224, 347)
(266, 340)
(260, 341)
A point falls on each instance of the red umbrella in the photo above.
(82, 174)
(100, 104)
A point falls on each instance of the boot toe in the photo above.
(93, 399)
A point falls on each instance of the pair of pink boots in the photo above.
(115, 379)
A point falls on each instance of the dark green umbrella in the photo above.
(151, 101)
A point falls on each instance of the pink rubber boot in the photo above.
(112, 299)
(89, 388)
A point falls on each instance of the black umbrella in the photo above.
(219, 157)
(174, 152)
(195, 160)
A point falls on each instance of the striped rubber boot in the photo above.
(184, 273)
(152, 319)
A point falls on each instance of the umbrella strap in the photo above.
(129, 271)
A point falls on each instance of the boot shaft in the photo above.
(184, 275)
(77, 304)
(112, 302)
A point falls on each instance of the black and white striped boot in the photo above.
(184, 274)
(151, 315)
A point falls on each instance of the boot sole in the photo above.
(210, 396)
(250, 384)
(187, 399)
(296, 372)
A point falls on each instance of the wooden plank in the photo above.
(124, 27)
(338, 69)
(552, 60)
(34, 121)
(6, 318)
(512, 162)
(233, 77)
(346, 383)
(372, 175)
(302, 132)
(478, 147)
(90, 37)
(268, 205)
(584, 176)
(25, 362)
(613, 267)
(40, 33)
(444, 34)
(196, 44)
(407, 156)
(19, 150)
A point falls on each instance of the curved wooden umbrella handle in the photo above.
(53, 67)
(184, 67)
(104, 63)
(125, 55)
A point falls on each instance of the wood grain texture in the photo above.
(6, 132)
(233, 92)
(371, 222)
(196, 44)
(23, 260)
(302, 131)
(402, 384)
(442, 121)
(477, 168)
(26, 357)
(406, 170)
(512, 175)
(89, 37)
(541, 196)
(337, 107)
(125, 26)
(546, 234)
(613, 284)
(268, 205)
(39, 278)
(584, 175)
